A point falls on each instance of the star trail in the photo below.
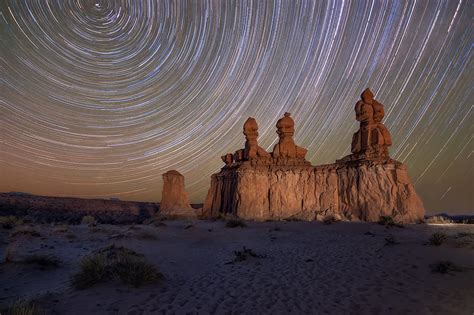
(99, 98)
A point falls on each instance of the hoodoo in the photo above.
(174, 200)
(258, 185)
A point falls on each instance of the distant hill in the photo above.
(458, 218)
(53, 209)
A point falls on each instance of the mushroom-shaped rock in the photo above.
(174, 200)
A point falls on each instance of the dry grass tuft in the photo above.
(437, 239)
(115, 263)
(22, 308)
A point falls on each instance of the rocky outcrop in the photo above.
(174, 199)
(362, 186)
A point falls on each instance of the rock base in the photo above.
(358, 190)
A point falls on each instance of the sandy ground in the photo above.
(309, 268)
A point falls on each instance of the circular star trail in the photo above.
(99, 98)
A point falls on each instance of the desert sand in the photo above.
(304, 268)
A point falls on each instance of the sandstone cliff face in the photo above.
(364, 185)
(174, 200)
(363, 190)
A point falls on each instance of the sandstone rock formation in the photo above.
(252, 150)
(372, 139)
(362, 186)
(286, 147)
(174, 200)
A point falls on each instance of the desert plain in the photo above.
(244, 267)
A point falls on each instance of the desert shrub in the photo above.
(9, 222)
(391, 240)
(26, 232)
(330, 219)
(88, 220)
(437, 239)
(444, 267)
(136, 272)
(93, 270)
(233, 223)
(438, 220)
(293, 219)
(22, 308)
(115, 263)
(388, 221)
(245, 253)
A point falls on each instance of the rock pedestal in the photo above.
(174, 200)
(362, 186)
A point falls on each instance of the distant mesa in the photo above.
(255, 184)
(174, 200)
(71, 210)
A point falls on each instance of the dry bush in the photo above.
(330, 219)
(22, 308)
(437, 239)
(9, 222)
(444, 267)
(115, 263)
(89, 220)
(233, 223)
(388, 221)
(391, 240)
(44, 261)
(246, 253)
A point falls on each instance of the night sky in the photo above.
(99, 98)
